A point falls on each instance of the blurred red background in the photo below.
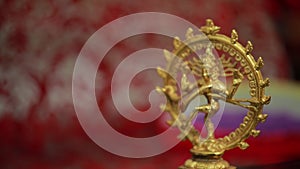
(40, 41)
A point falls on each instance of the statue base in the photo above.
(206, 163)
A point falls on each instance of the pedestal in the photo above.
(206, 163)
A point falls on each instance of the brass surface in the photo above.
(237, 65)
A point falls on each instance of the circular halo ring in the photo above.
(251, 69)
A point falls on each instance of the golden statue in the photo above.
(196, 57)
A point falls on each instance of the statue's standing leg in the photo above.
(209, 126)
(214, 107)
(206, 109)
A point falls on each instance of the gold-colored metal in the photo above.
(237, 66)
